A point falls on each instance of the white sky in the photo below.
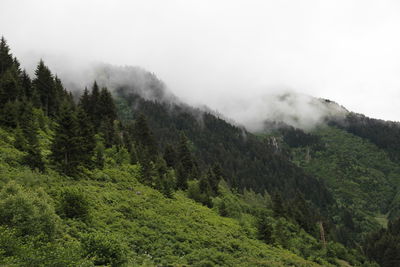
(212, 51)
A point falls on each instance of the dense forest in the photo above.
(115, 178)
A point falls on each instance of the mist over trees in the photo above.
(120, 177)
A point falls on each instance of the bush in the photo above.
(194, 192)
(104, 249)
(74, 204)
(28, 212)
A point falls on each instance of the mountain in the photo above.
(126, 174)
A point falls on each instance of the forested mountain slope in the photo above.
(246, 161)
(119, 178)
(362, 176)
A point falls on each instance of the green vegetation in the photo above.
(110, 218)
(363, 179)
(136, 182)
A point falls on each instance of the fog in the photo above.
(237, 57)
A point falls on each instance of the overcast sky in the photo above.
(347, 51)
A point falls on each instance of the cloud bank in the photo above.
(219, 52)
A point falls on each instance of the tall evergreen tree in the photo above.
(66, 145)
(95, 106)
(84, 101)
(189, 166)
(181, 177)
(27, 139)
(170, 156)
(60, 95)
(26, 84)
(106, 105)
(86, 139)
(6, 59)
(144, 138)
(9, 114)
(10, 86)
(45, 89)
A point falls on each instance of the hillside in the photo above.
(111, 218)
(362, 177)
(130, 176)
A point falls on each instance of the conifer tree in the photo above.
(26, 84)
(60, 95)
(107, 130)
(214, 177)
(168, 183)
(170, 156)
(6, 59)
(27, 124)
(144, 138)
(20, 142)
(189, 166)
(99, 152)
(106, 104)
(45, 89)
(84, 101)
(86, 140)
(10, 85)
(133, 155)
(94, 106)
(9, 114)
(278, 206)
(181, 177)
(65, 148)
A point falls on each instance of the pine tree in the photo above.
(214, 179)
(108, 132)
(189, 166)
(265, 229)
(144, 138)
(45, 89)
(133, 155)
(20, 141)
(86, 139)
(6, 59)
(278, 205)
(168, 183)
(60, 95)
(181, 177)
(26, 84)
(99, 156)
(27, 124)
(94, 106)
(170, 156)
(107, 107)
(65, 148)
(84, 101)
(10, 85)
(9, 114)
(201, 192)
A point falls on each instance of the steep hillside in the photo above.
(110, 218)
(384, 134)
(361, 176)
(94, 182)
(247, 162)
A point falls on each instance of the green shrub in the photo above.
(105, 249)
(28, 212)
(74, 204)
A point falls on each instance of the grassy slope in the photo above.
(152, 229)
